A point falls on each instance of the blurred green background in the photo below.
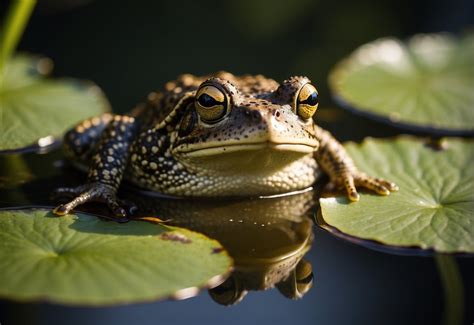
(130, 48)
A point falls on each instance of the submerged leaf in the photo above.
(80, 259)
(33, 107)
(434, 208)
(425, 84)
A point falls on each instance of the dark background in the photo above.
(132, 47)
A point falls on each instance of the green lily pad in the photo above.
(34, 107)
(434, 208)
(83, 260)
(425, 84)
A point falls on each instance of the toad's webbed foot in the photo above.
(91, 192)
(351, 180)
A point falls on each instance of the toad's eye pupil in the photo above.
(207, 101)
(311, 100)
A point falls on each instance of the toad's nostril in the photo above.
(256, 115)
(276, 113)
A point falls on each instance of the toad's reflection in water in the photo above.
(293, 277)
(267, 239)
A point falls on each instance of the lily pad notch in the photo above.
(434, 208)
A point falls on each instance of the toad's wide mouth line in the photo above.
(229, 148)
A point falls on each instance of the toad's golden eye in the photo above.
(307, 101)
(211, 103)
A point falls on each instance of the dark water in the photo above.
(350, 284)
(132, 48)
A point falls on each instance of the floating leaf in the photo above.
(425, 84)
(434, 208)
(81, 259)
(33, 107)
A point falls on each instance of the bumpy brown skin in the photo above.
(263, 143)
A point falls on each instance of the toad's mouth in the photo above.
(220, 149)
(245, 159)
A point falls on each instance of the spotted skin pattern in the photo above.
(247, 139)
(79, 140)
(111, 150)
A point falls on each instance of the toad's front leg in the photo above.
(106, 170)
(334, 160)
